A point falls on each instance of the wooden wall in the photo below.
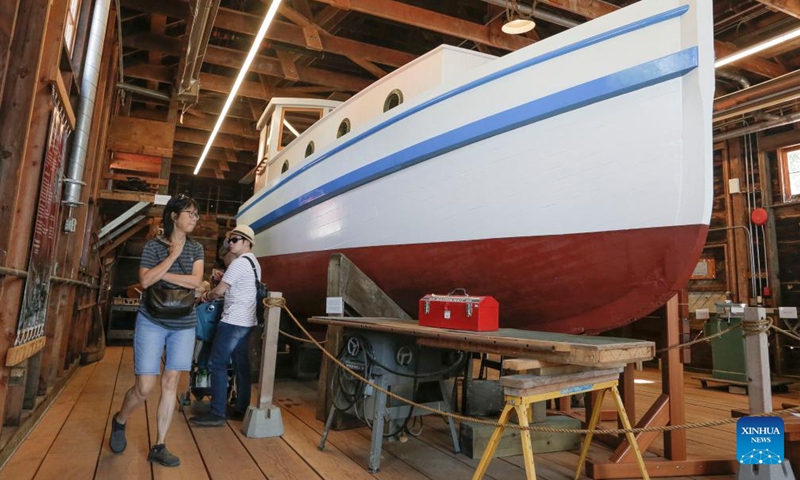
(37, 63)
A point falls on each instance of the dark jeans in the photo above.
(230, 343)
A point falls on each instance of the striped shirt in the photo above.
(156, 252)
(240, 298)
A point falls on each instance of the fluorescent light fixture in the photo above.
(291, 128)
(273, 9)
(758, 48)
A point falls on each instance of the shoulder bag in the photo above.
(168, 302)
(261, 294)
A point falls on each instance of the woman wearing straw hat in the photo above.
(238, 286)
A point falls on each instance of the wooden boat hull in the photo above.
(584, 283)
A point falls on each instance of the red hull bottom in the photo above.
(580, 283)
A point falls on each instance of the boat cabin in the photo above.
(282, 122)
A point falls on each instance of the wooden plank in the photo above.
(299, 401)
(137, 135)
(81, 438)
(563, 348)
(148, 180)
(31, 452)
(132, 462)
(20, 353)
(135, 166)
(126, 196)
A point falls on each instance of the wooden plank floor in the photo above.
(71, 440)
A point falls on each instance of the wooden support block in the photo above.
(20, 353)
(540, 367)
(475, 438)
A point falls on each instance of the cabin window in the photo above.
(295, 121)
(310, 149)
(344, 128)
(394, 99)
(285, 167)
(71, 25)
(790, 172)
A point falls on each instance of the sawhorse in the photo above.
(523, 390)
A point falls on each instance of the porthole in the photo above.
(285, 167)
(309, 149)
(394, 99)
(344, 128)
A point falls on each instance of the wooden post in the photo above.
(759, 387)
(269, 358)
(672, 382)
(738, 216)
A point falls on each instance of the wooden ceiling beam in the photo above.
(586, 8)
(154, 43)
(198, 137)
(272, 67)
(430, 20)
(789, 7)
(216, 153)
(155, 73)
(754, 64)
(596, 8)
(223, 84)
(189, 172)
(283, 32)
(238, 109)
(175, 9)
(314, 31)
(232, 126)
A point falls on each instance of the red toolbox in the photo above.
(459, 312)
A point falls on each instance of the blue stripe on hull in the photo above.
(573, 98)
(624, 29)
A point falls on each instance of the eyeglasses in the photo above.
(235, 239)
(191, 213)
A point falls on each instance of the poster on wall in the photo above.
(30, 329)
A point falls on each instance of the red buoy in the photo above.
(758, 216)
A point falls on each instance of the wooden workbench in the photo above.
(555, 347)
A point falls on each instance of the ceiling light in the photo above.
(516, 26)
(758, 48)
(516, 23)
(273, 8)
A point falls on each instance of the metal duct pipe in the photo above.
(204, 15)
(91, 75)
(758, 127)
(735, 76)
(775, 85)
(144, 91)
(538, 13)
(759, 104)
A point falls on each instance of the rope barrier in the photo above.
(281, 302)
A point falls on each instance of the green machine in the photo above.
(727, 351)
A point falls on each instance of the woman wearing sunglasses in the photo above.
(169, 262)
(238, 286)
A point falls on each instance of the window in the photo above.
(309, 149)
(295, 121)
(285, 167)
(790, 172)
(344, 128)
(71, 26)
(394, 99)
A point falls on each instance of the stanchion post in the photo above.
(759, 386)
(265, 420)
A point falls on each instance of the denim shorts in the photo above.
(149, 341)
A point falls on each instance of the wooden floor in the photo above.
(71, 440)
